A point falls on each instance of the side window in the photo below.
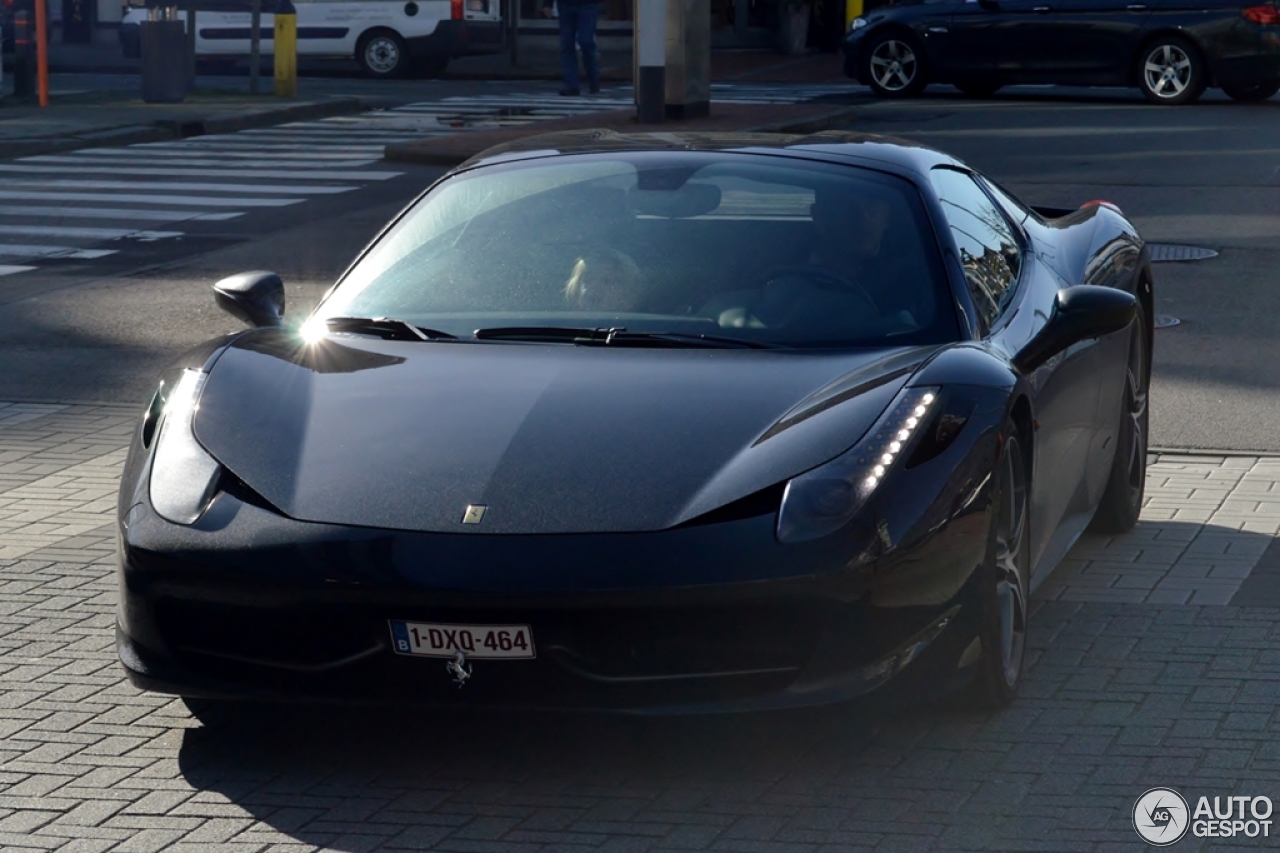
(987, 244)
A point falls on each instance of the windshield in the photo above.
(740, 247)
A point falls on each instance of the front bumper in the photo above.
(711, 616)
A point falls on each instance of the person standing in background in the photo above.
(577, 23)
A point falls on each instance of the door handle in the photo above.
(937, 29)
(1041, 9)
(1137, 7)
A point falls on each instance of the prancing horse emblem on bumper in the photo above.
(459, 669)
(474, 513)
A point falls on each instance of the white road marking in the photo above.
(369, 154)
(126, 214)
(17, 250)
(177, 186)
(87, 233)
(202, 161)
(146, 198)
(9, 269)
(245, 174)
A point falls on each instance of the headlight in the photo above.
(857, 24)
(183, 475)
(820, 502)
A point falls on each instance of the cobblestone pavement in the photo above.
(1154, 661)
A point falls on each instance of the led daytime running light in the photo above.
(882, 446)
(820, 502)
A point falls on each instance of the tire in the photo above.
(1254, 93)
(1171, 71)
(1005, 583)
(1122, 499)
(978, 90)
(893, 66)
(382, 54)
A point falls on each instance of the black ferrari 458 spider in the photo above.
(647, 423)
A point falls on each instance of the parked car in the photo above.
(633, 422)
(387, 38)
(1170, 49)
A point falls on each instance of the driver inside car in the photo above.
(851, 275)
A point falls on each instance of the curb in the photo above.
(164, 130)
(405, 152)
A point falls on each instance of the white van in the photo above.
(387, 38)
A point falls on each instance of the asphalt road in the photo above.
(1204, 175)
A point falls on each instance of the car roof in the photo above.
(875, 151)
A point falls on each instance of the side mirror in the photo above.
(255, 297)
(1080, 312)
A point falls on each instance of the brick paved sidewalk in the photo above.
(1140, 675)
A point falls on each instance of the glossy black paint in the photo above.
(636, 496)
(1070, 42)
(255, 297)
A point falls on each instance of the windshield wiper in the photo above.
(401, 330)
(616, 336)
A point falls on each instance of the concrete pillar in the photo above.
(688, 58)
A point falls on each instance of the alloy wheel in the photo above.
(894, 65)
(1168, 71)
(1136, 409)
(1011, 574)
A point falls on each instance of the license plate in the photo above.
(477, 642)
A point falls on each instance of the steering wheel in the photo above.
(825, 279)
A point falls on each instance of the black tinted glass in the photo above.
(757, 248)
(984, 238)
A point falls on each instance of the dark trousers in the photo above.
(578, 23)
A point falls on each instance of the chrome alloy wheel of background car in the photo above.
(1171, 72)
(1011, 570)
(894, 65)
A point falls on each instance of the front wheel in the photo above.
(1005, 582)
(1122, 499)
(1254, 93)
(1171, 72)
(893, 66)
(382, 53)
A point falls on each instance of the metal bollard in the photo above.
(285, 54)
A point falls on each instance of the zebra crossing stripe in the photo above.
(14, 250)
(178, 186)
(147, 198)
(230, 144)
(87, 233)
(77, 160)
(246, 174)
(8, 269)
(127, 214)
(369, 154)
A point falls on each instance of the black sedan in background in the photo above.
(1170, 49)
(649, 423)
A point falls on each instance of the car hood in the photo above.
(551, 438)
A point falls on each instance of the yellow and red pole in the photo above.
(42, 52)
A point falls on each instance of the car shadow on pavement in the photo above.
(1116, 695)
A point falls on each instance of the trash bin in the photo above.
(165, 65)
